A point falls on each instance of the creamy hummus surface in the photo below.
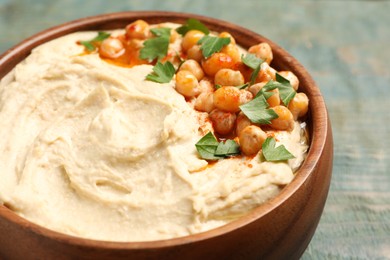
(94, 150)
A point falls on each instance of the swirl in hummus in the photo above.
(92, 149)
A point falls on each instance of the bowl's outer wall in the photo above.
(286, 225)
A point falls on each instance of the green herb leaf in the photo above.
(228, 148)
(257, 111)
(267, 95)
(281, 79)
(211, 44)
(272, 153)
(243, 86)
(254, 63)
(91, 44)
(217, 86)
(271, 85)
(156, 47)
(192, 24)
(286, 91)
(88, 45)
(161, 32)
(162, 72)
(254, 75)
(251, 60)
(207, 146)
(210, 149)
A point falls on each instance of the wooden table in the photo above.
(346, 47)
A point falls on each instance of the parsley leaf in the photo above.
(207, 146)
(254, 63)
(212, 44)
(156, 47)
(272, 153)
(162, 73)
(251, 60)
(243, 86)
(254, 75)
(286, 91)
(229, 147)
(91, 44)
(192, 24)
(163, 31)
(210, 149)
(266, 94)
(257, 111)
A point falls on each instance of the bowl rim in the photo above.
(319, 127)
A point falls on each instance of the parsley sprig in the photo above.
(258, 111)
(251, 60)
(273, 153)
(286, 91)
(192, 24)
(254, 63)
(92, 44)
(210, 149)
(162, 72)
(156, 47)
(211, 44)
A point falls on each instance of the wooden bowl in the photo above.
(279, 229)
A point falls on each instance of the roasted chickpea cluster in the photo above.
(226, 70)
(219, 84)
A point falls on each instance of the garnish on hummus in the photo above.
(148, 132)
(253, 103)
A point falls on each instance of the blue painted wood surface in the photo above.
(345, 45)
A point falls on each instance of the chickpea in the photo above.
(122, 38)
(273, 100)
(135, 44)
(242, 121)
(223, 122)
(174, 36)
(251, 139)
(266, 73)
(204, 102)
(245, 96)
(138, 30)
(294, 81)
(191, 38)
(205, 124)
(263, 51)
(255, 88)
(195, 53)
(194, 67)
(229, 77)
(227, 99)
(285, 120)
(245, 70)
(227, 35)
(232, 51)
(206, 85)
(187, 84)
(172, 57)
(111, 48)
(299, 105)
(216, 62)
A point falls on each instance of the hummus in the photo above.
(94, 150)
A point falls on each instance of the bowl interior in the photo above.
(317, 118)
